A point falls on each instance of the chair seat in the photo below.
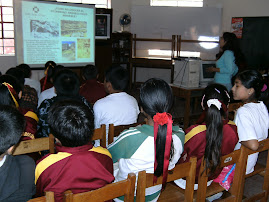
(258, 169)
(171, 194)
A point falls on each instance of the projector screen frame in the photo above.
(88, 38)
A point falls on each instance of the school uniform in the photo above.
(79, 169)
(195, 144)
(133, 151)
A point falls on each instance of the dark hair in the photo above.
(12, 125)
(156, 97)
(71, 122)
(26, 70)
(66, 83)
(89, 72)
(253, 79)
(5, 97)
(17, 73)
(118, 77)
(50, 66)
(214, 124)
(232, 44)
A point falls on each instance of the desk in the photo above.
(187, 94)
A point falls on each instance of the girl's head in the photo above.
(214, 102)
(156, 100)
(249, 86)
(10, 90)
(155, 96)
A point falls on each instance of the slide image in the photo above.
(69, 50)
(84, 48)
(44, 29)
(73, 28)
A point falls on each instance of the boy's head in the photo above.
(12, 125)
(26, 70)
(116, 79)
(89, 72)
(71, 122)
(66, 83)
(17, 73)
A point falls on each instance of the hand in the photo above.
(211, 69)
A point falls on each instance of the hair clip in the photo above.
(217, 90)
(264, 88)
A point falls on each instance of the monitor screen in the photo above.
(47, 30)
(208, 75)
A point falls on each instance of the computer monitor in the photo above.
(206, 77)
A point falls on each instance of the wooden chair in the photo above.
(262, 196)
(100, 134)
(49, 197)
(115, 131)
(187, 170)
(35, 145)
(124, 188)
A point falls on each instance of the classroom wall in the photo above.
(231, 8)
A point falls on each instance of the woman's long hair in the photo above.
(214, 124)
(232, 44)
(156, 97)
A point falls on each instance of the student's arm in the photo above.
(251, 144)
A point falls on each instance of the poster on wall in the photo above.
(102, 26)
(237, 27)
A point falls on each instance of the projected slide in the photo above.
(58, 32)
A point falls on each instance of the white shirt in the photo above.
(46, 94)
(34, 84)
(252, 122)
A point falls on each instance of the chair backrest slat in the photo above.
(49, 197)
(124, 188)
(100, 134)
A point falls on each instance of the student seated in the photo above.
(16, 172)
(46, 81)
(118, 108)
(27, 73)
(78, 166)
(133, 151)
(92, 89)
(252, 118)
(10, 94)
(66, 85)
(214, 135)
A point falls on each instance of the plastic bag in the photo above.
(226, 176)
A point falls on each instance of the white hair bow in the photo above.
(215, 102)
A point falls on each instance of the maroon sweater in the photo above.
(78, 169)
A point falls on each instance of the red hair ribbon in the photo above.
(161, 119)
(46, 76)
(13, 93)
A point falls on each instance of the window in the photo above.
(177, 3)
(98, 3)
(6, 28)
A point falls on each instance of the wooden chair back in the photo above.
(187, 170)
(124, 188)
(262, 196)
(115, 131)
(100, 134)
(35, 145)
(49, 197)
(236, 157)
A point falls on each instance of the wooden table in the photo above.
(187, 94)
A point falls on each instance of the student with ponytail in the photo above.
(213, 136)
(252, 118)
(149, 146)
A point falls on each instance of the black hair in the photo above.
(253, 79)
(5, 97)
(12, 125)
(17, 73)
(50, 66)
(156, 97)
(66, 83)
(72, 122)
(232, 44)
(89, 72)
(214, 124)
(118, 76)
(26, 70)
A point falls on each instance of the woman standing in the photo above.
(228, 60)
